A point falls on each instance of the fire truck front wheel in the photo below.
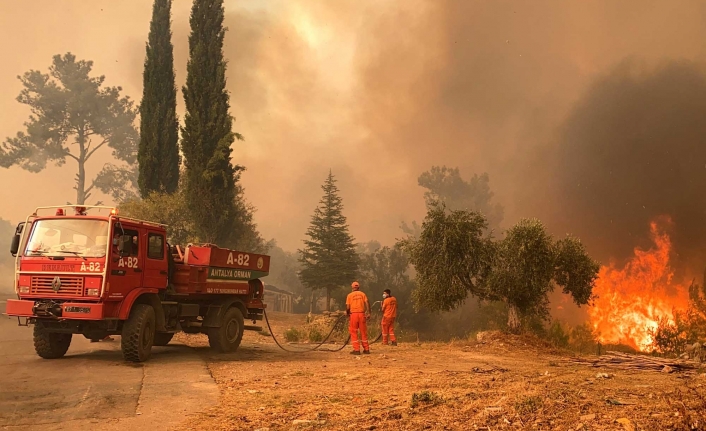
(138, 333)
(50, 345)
(227, 337)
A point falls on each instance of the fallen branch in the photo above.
(626, 361)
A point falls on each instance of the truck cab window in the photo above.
(155, 246)
(135, 241)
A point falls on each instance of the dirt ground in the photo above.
(502, 382)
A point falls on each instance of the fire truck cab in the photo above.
(101, 274)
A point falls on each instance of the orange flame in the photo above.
(633, 299)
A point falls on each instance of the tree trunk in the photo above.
(311, 302)
(328, 299)
(81, 175)
(513, 319)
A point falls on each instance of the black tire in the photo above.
(163, 338)
(50, 345)
(228, 336)
(138, 334)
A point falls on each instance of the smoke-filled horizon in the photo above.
(570, 107)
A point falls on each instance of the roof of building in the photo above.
(274, 289)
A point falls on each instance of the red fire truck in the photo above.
(101, 274)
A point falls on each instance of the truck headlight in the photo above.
(24, 289)
(92, 292)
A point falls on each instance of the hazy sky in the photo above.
(376, 91)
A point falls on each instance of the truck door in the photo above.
(156, 261)
(126, 271)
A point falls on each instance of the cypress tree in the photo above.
(329, 259)
(158, 153)
(210, 186)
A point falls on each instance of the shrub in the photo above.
(425, 397)
(315, 336)
(292, 335)
(528, 405)
(671, 337)
(583, 339)
(557, 335)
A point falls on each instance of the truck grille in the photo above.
(44, 285)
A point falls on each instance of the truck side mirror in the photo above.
(15, 245)
(124, 245)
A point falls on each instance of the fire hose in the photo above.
(322, 342)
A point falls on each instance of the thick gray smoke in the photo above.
(633, 149)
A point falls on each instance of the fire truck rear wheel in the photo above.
(227, 337)
(138, 334)
(50, 345)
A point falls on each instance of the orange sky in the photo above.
(377, 92)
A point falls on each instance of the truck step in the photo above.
(252, 328)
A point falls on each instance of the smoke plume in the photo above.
(380, 92)
(632, 150)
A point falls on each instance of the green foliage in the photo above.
(70, 109)
(315, 336)
(329, 260)
(583, 339)
(671, 337)
(522, 270)
(388, 268)
(446, 185)
(528, 265)
(451, 257)
(292, 335)
(210, 187)
(557, 335)
(575, 271)
(384, 268)
(172, 210)
(158, 153)
(169, 209)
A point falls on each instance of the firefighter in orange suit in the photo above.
(389, 314)
(358, 310)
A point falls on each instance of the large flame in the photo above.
(631, 300)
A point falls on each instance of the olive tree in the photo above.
(453, 260)
(528, 265)
(451, 256)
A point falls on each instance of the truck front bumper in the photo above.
(69, 310)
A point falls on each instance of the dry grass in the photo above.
(501, 382)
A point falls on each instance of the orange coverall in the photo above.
(357, 303)
(389, 313)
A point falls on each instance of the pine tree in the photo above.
(329, 259)
(210, 187)
(73, 116)
(158, 154)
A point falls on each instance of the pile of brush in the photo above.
(626, 361)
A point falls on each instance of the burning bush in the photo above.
(671, 336)
(631, 300)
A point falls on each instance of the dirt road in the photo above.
(93, 388)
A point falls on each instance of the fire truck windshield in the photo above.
(68, 237)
